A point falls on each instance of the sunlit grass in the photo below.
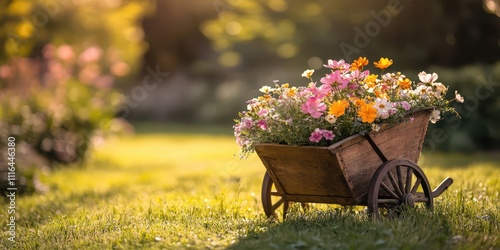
(190, 191)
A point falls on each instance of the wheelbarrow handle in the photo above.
(442, 187)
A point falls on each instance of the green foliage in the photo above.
(60, 60)
(58, 110)
(478, 130)
(28, 25)
(160, 191)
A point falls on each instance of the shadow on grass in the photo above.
(349, 229)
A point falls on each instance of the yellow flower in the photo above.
(383, 63)
(291, 92)
(371, 80)
(338, 108)
(308, 73)
(367, 113)
(405, 83)
(359, 63)
(285, 86)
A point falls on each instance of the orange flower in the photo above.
(405, 84)
(383, 63)
(367, 113)
(359, 63)
(357, 101)
(380, 93)
(338, 108)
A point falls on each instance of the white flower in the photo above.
(265, 89)
(423, 91)
(308, 73)
(440, 88)
(375, 127)
(383, 106)
(435, 116)
(331, 119)
(427, 78)
(458, 97)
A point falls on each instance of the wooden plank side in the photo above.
(358, 160)
(322, 199)
(304, 170)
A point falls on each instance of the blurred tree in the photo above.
(59, 60)
(252, 42)
(113, 25)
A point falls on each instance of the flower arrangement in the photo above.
(349, 100)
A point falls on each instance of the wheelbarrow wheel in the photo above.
(396, 185)
(272, 200)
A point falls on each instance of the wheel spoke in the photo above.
(389, 191)
(400, 179)
(275, 193)
(417, 184)
(388, 201)
(394, 184)
(421, 199)
(278, 204)
(409, 174)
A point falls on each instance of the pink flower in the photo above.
(336, 78)
(316, 136)
(263, 112)
(314, 107)
(327, 134)
(406, 105)
(332, 64)
(246, 123)
(262, 124)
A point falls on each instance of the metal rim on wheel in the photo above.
(396, 185)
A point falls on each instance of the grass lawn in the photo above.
(189, 191)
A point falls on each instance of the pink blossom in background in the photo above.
(120, 69)
(5, 71)
(65, 53)
(91, 54)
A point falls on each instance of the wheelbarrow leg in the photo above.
(442, 187)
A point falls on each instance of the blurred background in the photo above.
(73, 71)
